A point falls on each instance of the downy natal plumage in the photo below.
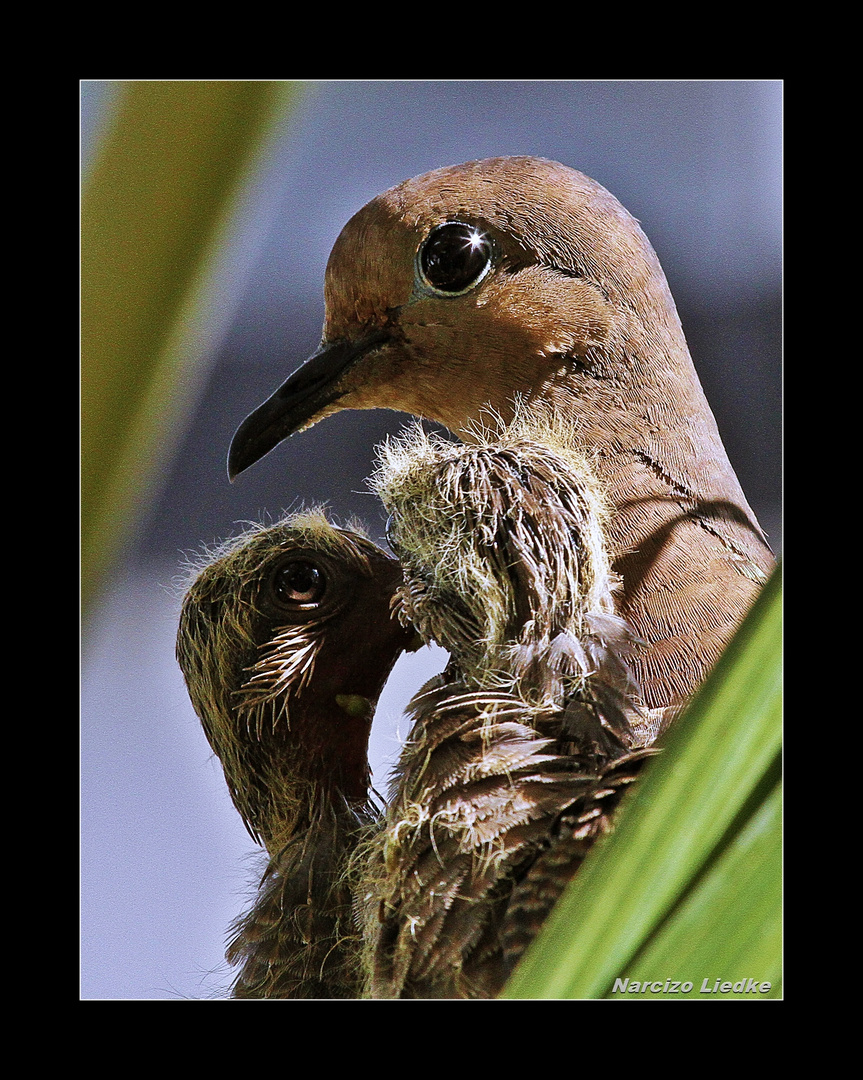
(286, 639)
(520, 751)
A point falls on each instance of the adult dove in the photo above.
(474, 288)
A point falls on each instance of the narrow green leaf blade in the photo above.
(154, 205)
(738, 900)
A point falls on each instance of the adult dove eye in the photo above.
(454, 258)
(299, 582)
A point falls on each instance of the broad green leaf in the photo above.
(682, 821)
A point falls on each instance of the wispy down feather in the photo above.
(521, 749)
(286, 638)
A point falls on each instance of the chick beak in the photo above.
(298, 402)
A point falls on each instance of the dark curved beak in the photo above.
(309, 390)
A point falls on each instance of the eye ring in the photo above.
(454, 258)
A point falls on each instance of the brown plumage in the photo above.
(520, 751)
(477, 285)
(286, 639)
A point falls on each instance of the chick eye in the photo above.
(454, 258)
(298, 583)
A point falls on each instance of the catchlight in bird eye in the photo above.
(454, 258)
(297, 583)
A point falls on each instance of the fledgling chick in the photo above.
(516, 278)
(520, 751)
(286, 639)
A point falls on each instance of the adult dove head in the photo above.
(473, 285)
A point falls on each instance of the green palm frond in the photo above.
(155, 205)
(688, 886)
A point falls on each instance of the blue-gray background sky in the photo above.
(165, 860)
